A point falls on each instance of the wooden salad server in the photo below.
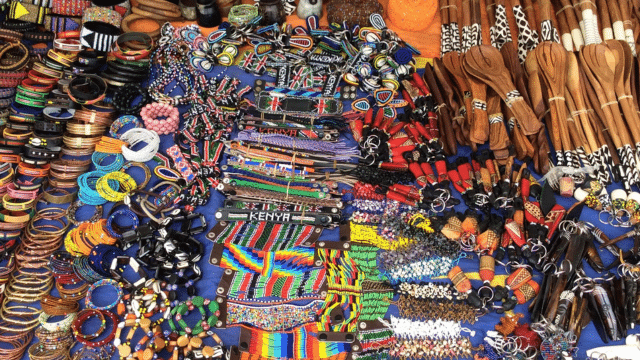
(485, 63)
(622, 73)
(552, 61)
(478, 119)
(599, 65)
(602, 63)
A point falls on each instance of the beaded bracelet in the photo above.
(107, 185)
(87, 340)
(127, 213)
(88, 193)
(105, 282)
(147, 173)
(62, 325)
(98, 158)
(152, 112)
(135, 136)
(121, 122)
(83, 316)
(125, 96)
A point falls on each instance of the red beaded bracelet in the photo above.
(34, 86)
(83, 316)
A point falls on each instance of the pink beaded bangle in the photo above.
(152, 112)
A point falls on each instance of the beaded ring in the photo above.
(104, 282)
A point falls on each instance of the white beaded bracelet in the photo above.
(138, 135)
(432, 329)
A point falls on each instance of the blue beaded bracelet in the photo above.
(122, 213)
(99, 157)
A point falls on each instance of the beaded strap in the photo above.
(272, 318)
(344, 290)
(291, 262)
(299, 343)
(265, 236)
(247, 286)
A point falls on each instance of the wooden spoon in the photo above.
(573, 85)
(601, 77)
(616, 20)
(452, 63)
(498, 137)
(620, 73)
(552, 64)
(485, 63)
(605, 19)
(535, 86)
(574, 25)
(565, 32)
(444, 112)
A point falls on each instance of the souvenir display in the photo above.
(239, 187)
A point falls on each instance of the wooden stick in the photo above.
(625, 14)
(616, 20)
(605, 19)
(572, 21)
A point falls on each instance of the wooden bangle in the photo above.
(138, 23)
(160, 4)
(151, 15)
(161, 12)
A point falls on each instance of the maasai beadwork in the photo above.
(274, 317)
(292, 262)
(246, 286)
(265, 236)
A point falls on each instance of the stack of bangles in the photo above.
(129, 61)
(80, 240)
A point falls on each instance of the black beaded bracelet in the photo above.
(19, 25)
(124, 98)
(39, 36)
